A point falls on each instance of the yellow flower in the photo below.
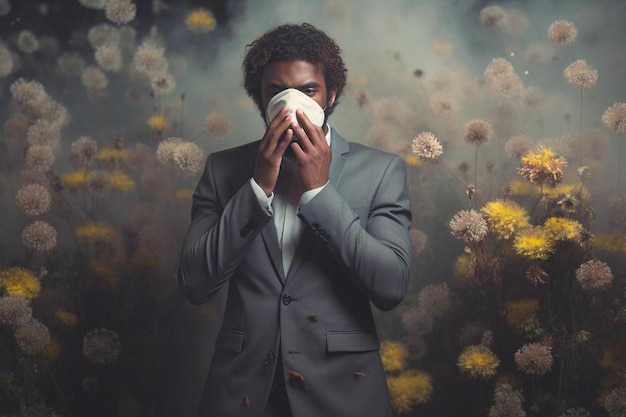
(409, 389)
(201, 21)
(110, 154)
(53, 350)
(464, 267)
(611, 242)
(20, 282)
(478, 361)
(565, 189)
(74, 179)
(158, 123)
(521, 312)
(505, 217)
(95, 232)
(519, 187)
(534, 242)
(105, 271)
(184, 195)
(560, 228)
(393, 356)
(544, 165)
(413, 160)
(65, 318)
(142, 260)
(120, 181)
(613, 353)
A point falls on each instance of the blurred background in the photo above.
(510, 116)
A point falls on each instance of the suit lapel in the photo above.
(339, 148)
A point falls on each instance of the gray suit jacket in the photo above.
(355, 249)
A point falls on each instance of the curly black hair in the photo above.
(294, 42)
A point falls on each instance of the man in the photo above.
(306, 234)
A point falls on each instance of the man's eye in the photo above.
(309, 91)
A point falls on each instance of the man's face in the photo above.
(301, 75)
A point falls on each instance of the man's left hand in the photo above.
(312, 152)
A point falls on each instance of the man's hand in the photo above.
(277, 137)
(312, 152)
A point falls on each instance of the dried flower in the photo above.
(217, 125)
(109, 57)
(534, 359)
(497, 68)
(101, 346)
(15, 311)
(201, 21)
(33, 199)
(478, 132)
(615, 117)
(561, 228)
(536, 274)
(98, 183)
(102, 34)
(32, 337)
(575, 412)
(492, 16)
(434, 299)
(83, 151)
(443, 104)
(562, 32)
(478, 361)
(615, 402)
(120, 11)
(507, 402)
(165, 151)
(426, 146)
(39, 158)
(580, 74)
(507, 85)
(39, 236)
(469, 226)
(43, 132)
(93, 232)
(544, 165)
(27, 42)
(594, 274)
(158, 123)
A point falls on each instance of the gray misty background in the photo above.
(400, 54)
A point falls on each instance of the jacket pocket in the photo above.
(352, 341)
(230, 340)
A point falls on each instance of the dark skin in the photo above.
(306, 140)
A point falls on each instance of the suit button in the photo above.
(286, 299)
(315, 226)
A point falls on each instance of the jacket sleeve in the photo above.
(219, 235)
(377, 257)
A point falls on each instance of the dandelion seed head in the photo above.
(580, 74)
(149, 59)
(39, 236)
(533, 98)
(83, 151)
(165, 151)
(162, 83)
(517, 146)
(93, 78)
(615, 402)
(98, 183)
(5, 7)
(515, 23)
(32, 337)
(594, 274)
(15, 311)
(507, 402)
(443, 104)
(33, 200)
(109, 57)
(615, 117)
(469, 226)
(27, 42)
(507, 85)
(27, 93)
(534, 359)
(189, 158)
(426, 146)
(562, 32)
(39, 158)
(498, 67)
(101, 346)
(492, 16)
(71, 63)
(575, 412)
(44, 132)
(102, 34)
(478, 132)
(217, 125)
(120, 11)
(6, 61)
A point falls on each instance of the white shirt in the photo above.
(284, 206)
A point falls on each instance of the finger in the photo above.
(313, 133)
(277, 127)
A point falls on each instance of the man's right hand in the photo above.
(275, 142)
